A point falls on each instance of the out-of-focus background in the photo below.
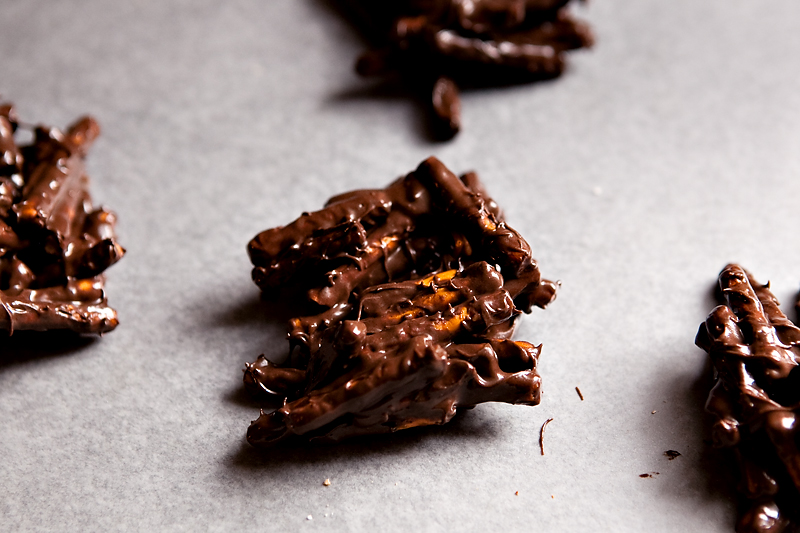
(668, 150)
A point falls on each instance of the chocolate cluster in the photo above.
(413, 293)
(439, 45)
(54, 246)
(755, 350)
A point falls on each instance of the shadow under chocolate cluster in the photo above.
(54, 245)
(755, 350)
(415, 290)
(438, 45)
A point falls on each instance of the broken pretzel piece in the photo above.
(54, 246)
(413, 307)
(755, 350)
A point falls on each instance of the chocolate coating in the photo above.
(54, 246)
(416, 289)
(755, 350)
(439, 45)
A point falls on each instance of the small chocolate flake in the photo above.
(579, 393)
(541, 434)
(648, 474)
(327, 482)
(672, 454)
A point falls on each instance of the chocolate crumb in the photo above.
(327, 483)
(516, 493)
(413, 292)
(541, 434)
(580, 395)
(672, 454)
(649, 474)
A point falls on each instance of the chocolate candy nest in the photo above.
(54, 246)
(439, 45)
(755, 350)
(414, 291)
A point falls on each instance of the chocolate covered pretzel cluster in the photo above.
(755, 350)
(415, 290)
(54, 246)
(439, 45)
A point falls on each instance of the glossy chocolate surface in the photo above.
(755, 350)
(416, 289)
(54, 245)
(439, 45)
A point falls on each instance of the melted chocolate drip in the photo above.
(416, 288)
(441, 44)
(54, 246)
(755, 350)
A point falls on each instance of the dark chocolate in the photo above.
(414, 292)
(439, 45)
(755, 350)
(54, 246)
(541, 434)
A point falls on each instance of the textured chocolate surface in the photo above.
(417, 288)
(755, 350)
(54, 245)
(439, 45)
